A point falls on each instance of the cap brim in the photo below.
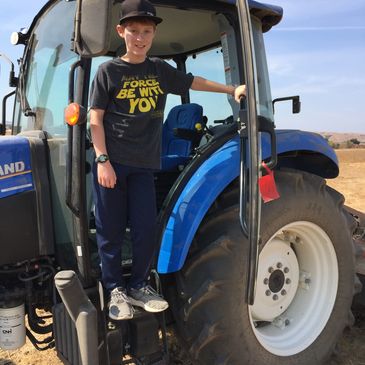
(155, 19)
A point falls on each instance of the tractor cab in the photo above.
(59, 64)
(57, 68)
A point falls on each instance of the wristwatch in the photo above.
(102, 158)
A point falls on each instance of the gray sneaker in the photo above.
(119, 306)
(148, 299)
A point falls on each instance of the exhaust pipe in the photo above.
(83, 314)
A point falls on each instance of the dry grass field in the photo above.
(350, 351)
(351, 181)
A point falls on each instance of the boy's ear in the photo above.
(120, 30)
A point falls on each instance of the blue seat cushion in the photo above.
(176, 151)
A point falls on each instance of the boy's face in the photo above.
(138, 36)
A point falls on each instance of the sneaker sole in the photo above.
(140, 304)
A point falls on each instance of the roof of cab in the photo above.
(269, 15)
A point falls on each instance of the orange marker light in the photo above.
(72, 114)
(75, 114)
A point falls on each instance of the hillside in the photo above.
(343, 137)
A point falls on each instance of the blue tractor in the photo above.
(248, 282)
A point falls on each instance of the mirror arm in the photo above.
(3, 124)
(296, 103)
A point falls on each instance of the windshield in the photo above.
(43, 90)
(45, 70)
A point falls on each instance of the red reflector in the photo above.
(267, 186)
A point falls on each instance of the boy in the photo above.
(127, 102)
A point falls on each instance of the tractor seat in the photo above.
(176, 150)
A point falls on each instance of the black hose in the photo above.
(34, 320)
(49, 341)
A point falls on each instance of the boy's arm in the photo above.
(201, 84)
(106, 173)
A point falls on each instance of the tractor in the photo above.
(257, 255)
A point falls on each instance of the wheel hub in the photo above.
(277, 280)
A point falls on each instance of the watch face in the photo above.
(102, 158)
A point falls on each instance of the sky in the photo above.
(317, 52)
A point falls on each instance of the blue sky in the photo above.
(317, 51)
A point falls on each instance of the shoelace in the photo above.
(120, 296)
(149, 290)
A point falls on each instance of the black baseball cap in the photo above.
(138, 9)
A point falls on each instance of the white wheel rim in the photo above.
(288, 315)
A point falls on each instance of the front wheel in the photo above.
(297, 286)
(304, 286)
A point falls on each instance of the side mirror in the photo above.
(92, 27)
(296, 103)
(13, 81)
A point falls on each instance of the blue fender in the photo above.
(210, 179)
(202, 189)
(15, 166)
(316, 155)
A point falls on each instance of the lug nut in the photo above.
(266, 281)
(307, 281)
(287, 322)
(287, 281)
(111, 326)
(283, 292)
(279, 265)
(271, 269)
(286, 270)
(275, 297)
(268, 293)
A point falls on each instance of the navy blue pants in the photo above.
(132, 200)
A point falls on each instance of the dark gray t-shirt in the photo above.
(134, 97)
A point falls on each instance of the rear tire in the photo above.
(305, 281)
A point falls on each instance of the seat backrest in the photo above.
(181, 116)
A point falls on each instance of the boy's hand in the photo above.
(239, 92)
(106, 175)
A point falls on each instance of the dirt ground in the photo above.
(351, 181)
(350, 350)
